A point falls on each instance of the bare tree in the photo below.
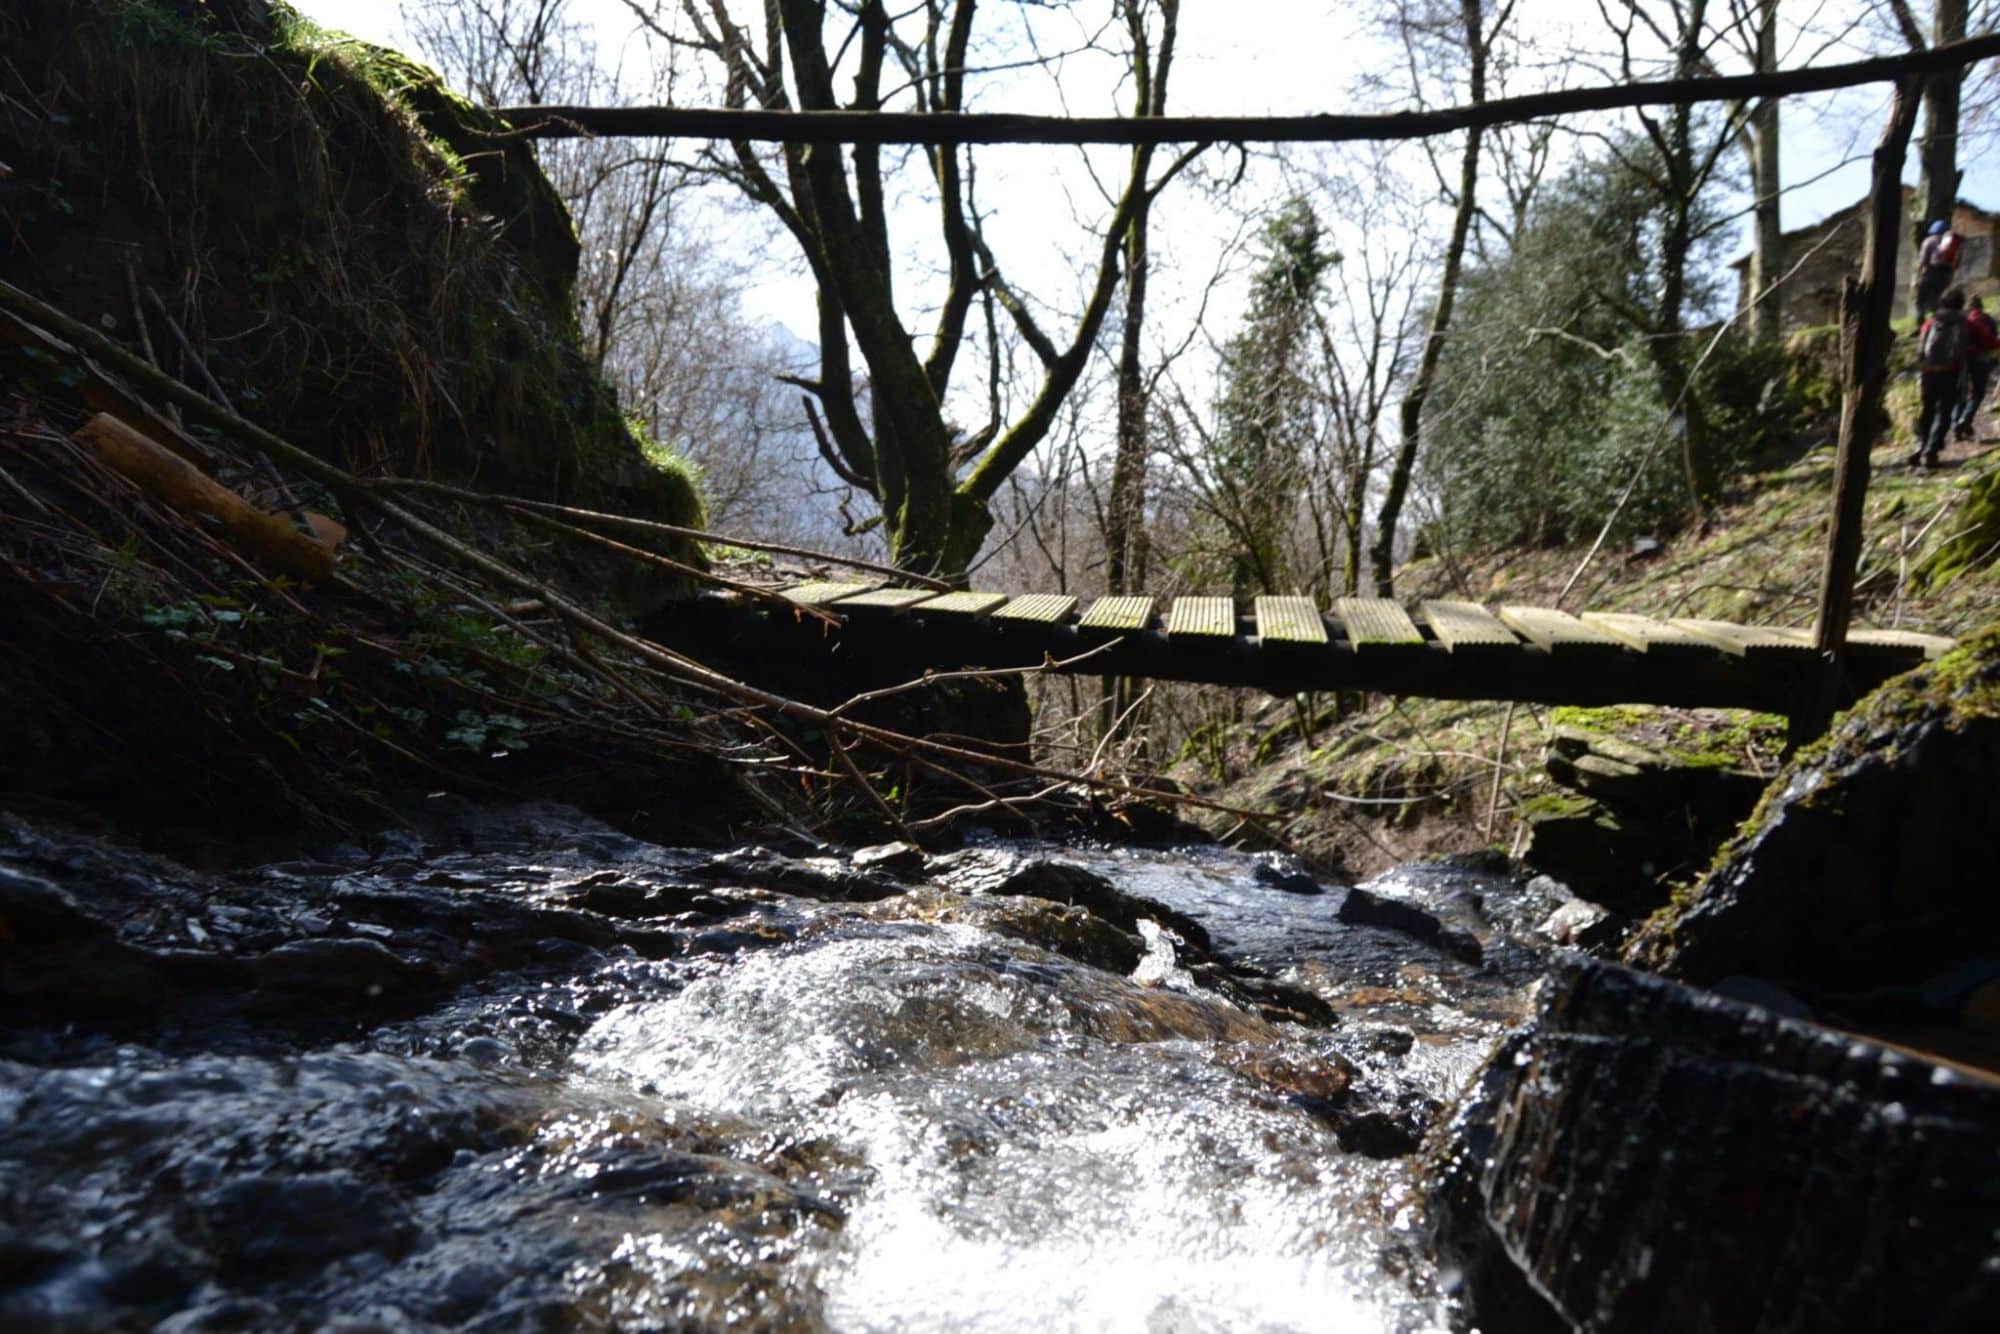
(1125, 524)
(934, 482)
(1686, 151)
(1424, 30)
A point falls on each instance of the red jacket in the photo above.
(1985, 336)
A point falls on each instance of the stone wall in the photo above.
(1829, 250)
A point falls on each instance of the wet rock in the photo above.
(1318, 1084)
(1282, 871)
(1379, 1134)
(259, 1221)
(1867, 863)
(50, 1287)
(349, 967)
(1578, 924)
(1363, 907)
(1075, 933)
(1271, 998)
(984, 871)
(809, 877)
(889, 858)
(1752, 1164)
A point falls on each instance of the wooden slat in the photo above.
(1046, 608)
(822, 591)
(888, 599)
(1646, 634)
(1756, 641)
(964, 604)
(1289, 620)
(1118, 613)
(1202, 618)
(1558, 631)
(1929, 645)
(1467, 627)
(1377, 623)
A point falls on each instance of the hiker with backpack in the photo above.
(1941, 345)
(1937, 262)
(1984, 338)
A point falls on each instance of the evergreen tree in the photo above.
(1265, 415)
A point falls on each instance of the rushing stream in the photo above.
(527, 1073)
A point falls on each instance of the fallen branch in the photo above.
(179, 485)
(896, 127)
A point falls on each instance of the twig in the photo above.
(652, 526)
(216, 391)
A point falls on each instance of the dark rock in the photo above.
(1868, 864)
(352, 966)
(1378, 1134)
(1282, 871)
(983, 871)
(260, 1221)
(808, 877)
(1361, 907)
(1646, 1157)
(889, 858)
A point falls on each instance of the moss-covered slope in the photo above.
(366, 270)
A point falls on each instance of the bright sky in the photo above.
(1297, 56)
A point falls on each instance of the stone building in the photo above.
(1830, 249)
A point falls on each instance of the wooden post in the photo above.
(1864, 368)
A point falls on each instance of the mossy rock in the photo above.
(1868, 862)
(373, 275)
(1975, 536)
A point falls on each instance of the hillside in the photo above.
(1414, 777)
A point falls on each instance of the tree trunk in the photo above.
(1125, 525)
(1938, 154)
(1767, 258)
(1382, 558)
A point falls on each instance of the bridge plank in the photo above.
(964, 604)
(1754, 641)
(1119, 613)
(888, 599)
(1558, 631)
(1202, 618)
(1377, 623)
(822, 591)
(1647, 635)
(1467, 627)
(1289, 620)
(1928, 645)
(1045, 608)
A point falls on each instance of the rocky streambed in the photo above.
(519, 1071)
(515, 1070)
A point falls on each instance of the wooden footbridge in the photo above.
(1287, 645)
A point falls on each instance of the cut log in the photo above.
(267, 539)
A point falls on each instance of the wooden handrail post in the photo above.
(1864, 371)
